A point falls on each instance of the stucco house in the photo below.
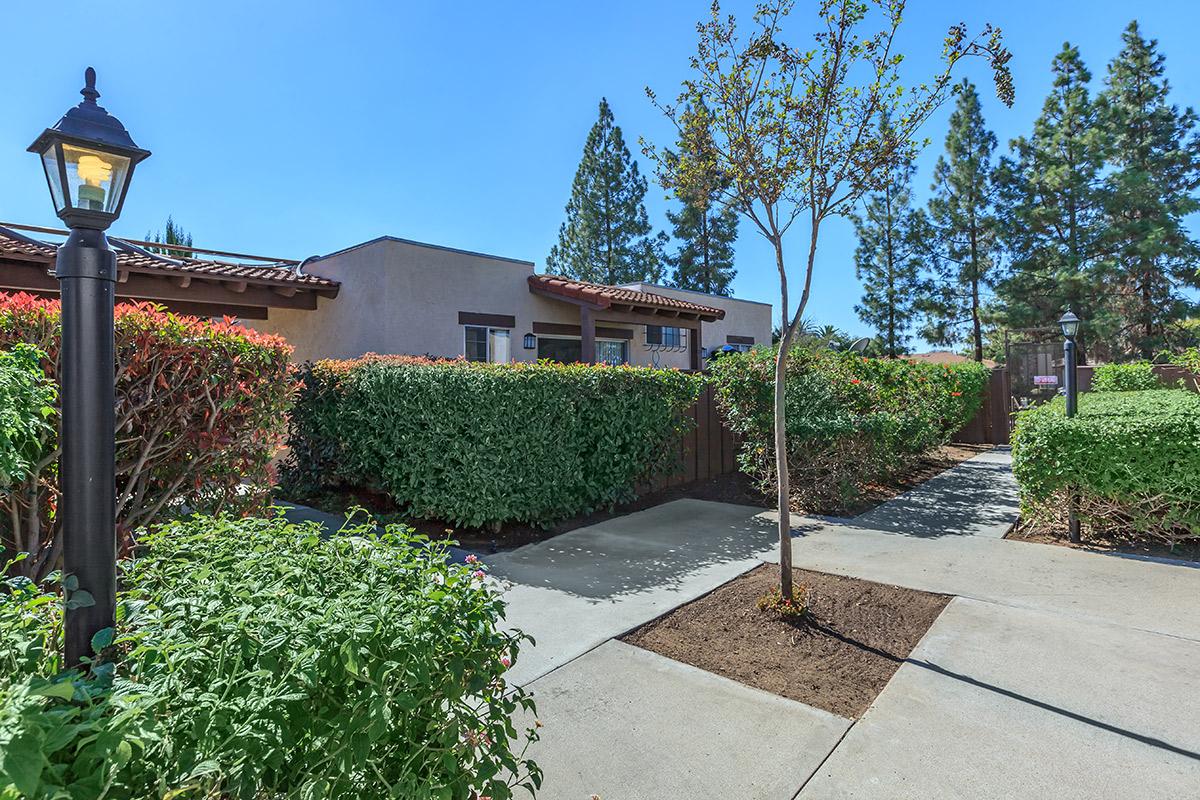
(396, 296)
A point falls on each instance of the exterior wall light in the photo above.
(530, 341)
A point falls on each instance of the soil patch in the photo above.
(731, 488)
(837, 658)
(1107, 542)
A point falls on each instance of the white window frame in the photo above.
(490, 336)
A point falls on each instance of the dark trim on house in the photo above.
(490, 320)
(563, 329)
(739, 340)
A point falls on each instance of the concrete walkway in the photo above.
(1053, 673)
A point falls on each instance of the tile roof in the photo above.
(603, 296)
(135, 259)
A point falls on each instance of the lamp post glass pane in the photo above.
(94, 178)
(50, 164)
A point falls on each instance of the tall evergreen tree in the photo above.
(1053, 212)
(173, 234)
(963, 227)
(606, 236)
(705, 226)
(888, 258)
(1156, 169)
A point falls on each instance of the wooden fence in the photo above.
(991, 424)
(707, 451)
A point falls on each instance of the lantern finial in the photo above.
(89, 88)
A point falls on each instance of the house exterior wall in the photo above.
(400, 297)
(743, 319)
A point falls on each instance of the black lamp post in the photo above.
(1069, 323)
(89, 160)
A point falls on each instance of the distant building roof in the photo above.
(945, 357)
(617, 297)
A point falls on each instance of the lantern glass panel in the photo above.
(50, 164)
(95, 179)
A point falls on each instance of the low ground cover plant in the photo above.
(1131, 460)
(477, 444)
(255, 659)
(1135, 376)
(201, 409)
(850, 420)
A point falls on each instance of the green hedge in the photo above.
(1137, 376)
(850, 420)
(256, 659)
(475, 443)
(1131, 458)
(26, 407)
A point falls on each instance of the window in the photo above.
(610, 352)
(663, 335)
(486, 344)
(570, 351)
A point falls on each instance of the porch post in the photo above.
(587, 335)
(694, 346)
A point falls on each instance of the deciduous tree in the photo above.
(796, 130)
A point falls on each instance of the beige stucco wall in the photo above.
(401, 297)
(742, 318)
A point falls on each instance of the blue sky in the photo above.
(295, 128)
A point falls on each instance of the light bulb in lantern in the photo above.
(93, 171)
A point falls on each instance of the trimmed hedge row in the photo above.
(850, 420)
(201, 410)
(475, 444)
(1136, 376)
(258, 659)
(1131, 458)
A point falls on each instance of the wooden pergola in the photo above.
(600, 304)
(244, 286)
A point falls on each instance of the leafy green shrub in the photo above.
(850, 420)
(201, 409)
(1131, 458)
(1137, 376)
(474, 443)
(26, 405)
(255, 659)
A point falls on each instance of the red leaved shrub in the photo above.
(201, 410)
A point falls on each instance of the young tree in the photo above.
(796, 131)
(606, 236)
(962, 225)
(1156, 160)
(706, 229)
(888, 258)
(1052, 205)
(173, 234)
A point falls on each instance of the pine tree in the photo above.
(173, 234)
(705, 226)
(1156, 168)
(1052, 207)
(888, 258)
(963, 226)
(606, 236)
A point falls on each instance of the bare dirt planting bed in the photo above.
(838, 658)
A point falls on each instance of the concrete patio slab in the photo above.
(975, 498)
(999, 702)
(575, 591)
(627, 724)
(1139, 594)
